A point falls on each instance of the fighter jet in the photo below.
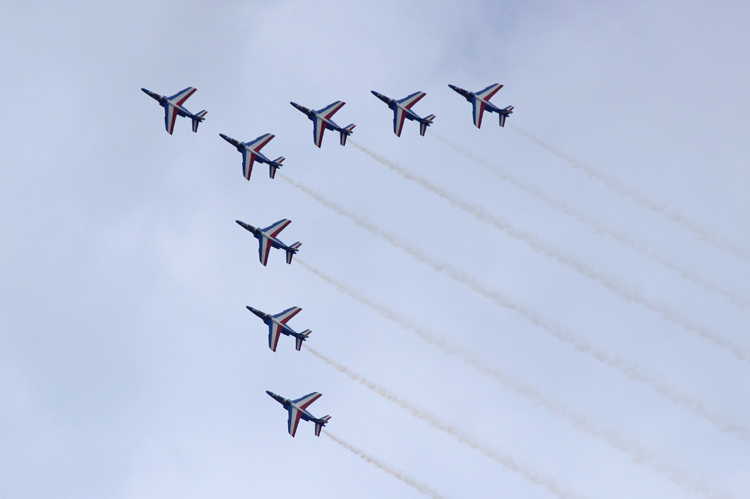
(298, 410)
(402, 109)
(277, 324)
(251, 152)
(267, 239)
(322, 119)
(173, 107)
(481, 102)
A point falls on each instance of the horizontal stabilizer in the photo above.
(291, 251)
(504, 113)
(346, 132)
(319, 426)
(275, 165)
(424, 124)
(197, 120)
(303, 336)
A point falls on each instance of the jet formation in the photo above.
(268, 237)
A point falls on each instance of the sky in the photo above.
(556, 308)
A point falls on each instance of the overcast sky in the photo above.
(589, 321)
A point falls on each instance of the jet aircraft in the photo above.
(402, 110)
(251, 152)
(322, 119)
(277, 324)
(267, 239)
(173, 107)
(298, 410)
(481, 102)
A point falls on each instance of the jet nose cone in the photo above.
(270, 393)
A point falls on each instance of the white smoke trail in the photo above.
(613, 361)
(423, 488)
(636, 451)
(620, 188)
(502, 458)
(537, 244)
(599, 226)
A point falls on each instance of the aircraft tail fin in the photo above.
(291, 251)
(504, 114)
(303, 336)
(275, 166)
(424, 124)
(197, 121)
(319, 426)
(347, 131)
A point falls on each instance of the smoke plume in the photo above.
(537, 244)
(423, 488)
(502, 458)
(600, 227)
(636, 451)
(641, 199)
(613, 361)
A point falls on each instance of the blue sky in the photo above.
(129, 366)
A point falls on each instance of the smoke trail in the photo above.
(501, 458)
(600, 227)
(537, 244)
(633, 449)
(577, 341)
(623, 190)
(419, 486)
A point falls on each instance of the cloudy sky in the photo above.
(557, 308)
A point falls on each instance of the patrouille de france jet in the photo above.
(267, 239)
(322, 119)
(481, 103)
(277, 325)
(251, 153)
(297, 410)
(402, 110)
(173, 107)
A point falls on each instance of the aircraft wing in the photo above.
(478, 112)
(319, 126)
(275, 229)
(180, 97)
(294, 416)
(412, 99)
(331, 109)
(257, 144)
(248, 158)
(304, 402)
(283, 317)
(273, 335)
(170, 115)
(265, 248)
(488, 92)
(399, 115)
